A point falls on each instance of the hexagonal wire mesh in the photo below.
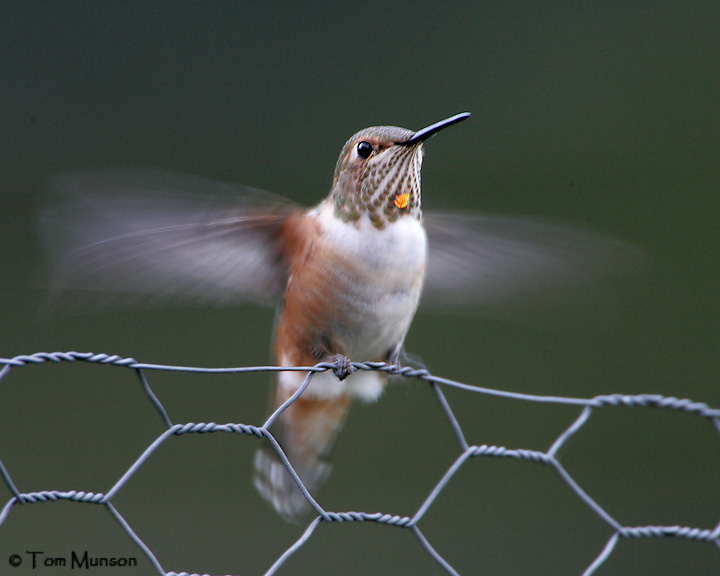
(466, 451)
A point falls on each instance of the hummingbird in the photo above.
(346, 276)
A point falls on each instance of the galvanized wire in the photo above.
(549, 458)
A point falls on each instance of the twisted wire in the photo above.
(587, 407)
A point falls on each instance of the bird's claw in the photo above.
(343, 366)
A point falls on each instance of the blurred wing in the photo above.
(163, 234)
(491, 260)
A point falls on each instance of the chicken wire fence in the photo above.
(586, 407)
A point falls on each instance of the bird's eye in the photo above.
(364, 149)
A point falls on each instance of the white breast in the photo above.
(390, 266)
(381, 296)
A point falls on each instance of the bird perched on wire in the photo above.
(346, 275)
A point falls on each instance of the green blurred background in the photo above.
(605, 113)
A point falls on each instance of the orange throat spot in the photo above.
(401, 200)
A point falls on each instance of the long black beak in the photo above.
(425, 133)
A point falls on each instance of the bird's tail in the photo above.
(306, 431)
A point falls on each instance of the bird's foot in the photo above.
(343, 366)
